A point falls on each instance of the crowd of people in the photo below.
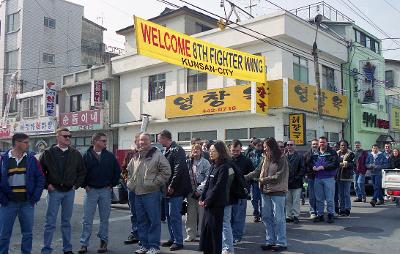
(210, 186)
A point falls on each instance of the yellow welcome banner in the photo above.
(395, 118)
(207, 102)
(170, 46)
(302, 96)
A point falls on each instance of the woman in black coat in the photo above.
(214, 199)
(394, 159)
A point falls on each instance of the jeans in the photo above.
(344, 195)
(325, 190)
(359, 185)
(55, 199)
(148, 212)
(194, 217)
(273, 217)
(227, 236)
(377, 183)
(93, 198)
(174, 219)
(336, 196)
(311, 196)
(239, 219)
(293, 197)
(134, 222)
(8, 214)
(256, 199)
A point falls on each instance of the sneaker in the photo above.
(347, 212)
(131, 239)
(312, 216)
(278, 248)
(267, 247)
(83, 250)
(364, 200)
(167, 244)
(357, 200)
(142, 250)
(175, 247)
(373, 203)
(226, 252)
(330, 218)
(380, 202)
(153, 251)
(257, 219)
(319, 218)
(296, 220)
(342, 213)
(190, 239)
(68, 252)
(288, 220)
(103, 247)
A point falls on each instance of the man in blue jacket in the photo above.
(325, 168)
(103, 172)
(376, 161)
(21, 185)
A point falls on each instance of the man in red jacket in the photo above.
(359, 172)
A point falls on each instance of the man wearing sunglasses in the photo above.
(21, 186)
(103, 173)
(65, 172)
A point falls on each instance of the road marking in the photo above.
(128, 217)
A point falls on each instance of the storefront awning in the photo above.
(385, 138)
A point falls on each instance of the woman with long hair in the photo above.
(199, 169)
(214, 199)
(273, 179)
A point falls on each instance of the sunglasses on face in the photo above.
(67, 136)
(290, 144)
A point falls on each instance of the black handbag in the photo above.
(184, 207)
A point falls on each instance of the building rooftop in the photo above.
(167, 13)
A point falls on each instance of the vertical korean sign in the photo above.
(96, 92)
(50, 94)
(261, 98)
(297, 128)
(156, 41)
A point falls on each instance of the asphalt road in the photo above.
(367, 230)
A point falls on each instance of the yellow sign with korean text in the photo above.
(207, 102)
(395, 118)
(297, 128)
(261, 98)
(170, 46)
(302, 96)
(275, 98)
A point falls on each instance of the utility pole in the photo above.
(320, 123)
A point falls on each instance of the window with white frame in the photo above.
(300, 69)
(196, 81)
(12, 22)
(231, 134)
(11, 61)
(75, 103)
(157, 87)
(328, 78)
(48, 58)
(49, 22)
(30, 107)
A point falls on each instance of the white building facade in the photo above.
(145, 82)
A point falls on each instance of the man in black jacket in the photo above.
(103, 172)
(178, 187)
(65, 172)
(297, 171)
(239, 209)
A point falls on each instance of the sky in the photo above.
(117, 14)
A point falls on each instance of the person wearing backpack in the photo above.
(245, 166)
(272, 176)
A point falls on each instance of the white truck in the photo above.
(391, 183)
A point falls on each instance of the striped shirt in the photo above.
(16, 170)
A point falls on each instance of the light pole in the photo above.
(320, 123)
